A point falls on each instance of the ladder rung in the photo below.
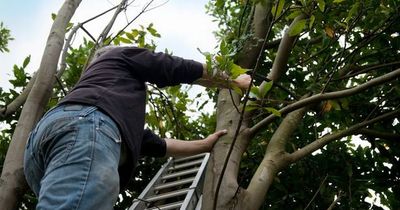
(167, 195)
(180, 173)
(189, 158)
(173, 184)
(167, 206)
(184, 165)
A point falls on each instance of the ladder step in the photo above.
(173, 184)
(180, 173)
(167, 206)
(189, 158)
(167, 195)
(184, 165)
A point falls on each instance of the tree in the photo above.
(325, 74)
(71, 63)
(12, 179)
(5, 37)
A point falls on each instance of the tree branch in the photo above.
(367, 69)
(107, 29)
(380, 134)
(325, 96)
(319, 143)
(282, 56)
(275, 158)
(19, 100)
(13, 183)
(136, 17)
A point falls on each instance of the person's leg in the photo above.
(77, 150)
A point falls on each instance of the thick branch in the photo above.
(275, 158)
(363, 70)
(67, 45)
(13, 184)
(19, 100)
(261, 21)
(325, 96)
(380, 134)
(321, 142)
(282, 56)
(107, 29)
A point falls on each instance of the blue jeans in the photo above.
(71, 159)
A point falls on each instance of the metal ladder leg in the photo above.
(177, 185)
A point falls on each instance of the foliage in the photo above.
(341, 44)
(8, 123)
(167, 114)
(5, 37)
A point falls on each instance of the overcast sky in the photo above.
(183, 26)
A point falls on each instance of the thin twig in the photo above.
(61, 85)
(367, 69)
(135, 18)
(316, 193)
(336, 200)
(88, 33)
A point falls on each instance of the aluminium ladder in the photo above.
(177, 185)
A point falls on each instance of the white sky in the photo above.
(183, 26)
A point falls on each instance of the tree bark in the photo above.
(13, 184)
(228, 118)
(274, 161)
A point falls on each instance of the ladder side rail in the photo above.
(139, 204)
(196, 188)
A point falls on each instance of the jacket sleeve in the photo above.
(153, 145)
(160, 68)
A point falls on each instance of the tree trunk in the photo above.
(13, 184)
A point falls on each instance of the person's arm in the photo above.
(178, 148)
(223, 81)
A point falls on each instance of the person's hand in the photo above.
(211, 139)
(242, 81)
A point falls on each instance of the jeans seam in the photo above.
(91, 156)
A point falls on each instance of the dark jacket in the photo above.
(115, 83)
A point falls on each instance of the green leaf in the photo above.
(26, 61)
(335, 104)
(265, 89)
(220, 3)
(255, 91)
(237, 90)
(135, 33)
(124, 40)
(152, 31)
(116, 42)
(321, 5)
(294, 14)
(297, 28)
(312, 20)
(338, 1)
(273, 111)
(129, 36)
(277, 11)
(236, 70)
(251, 108)
(352, 11)
(223, 48)
(53, 16)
